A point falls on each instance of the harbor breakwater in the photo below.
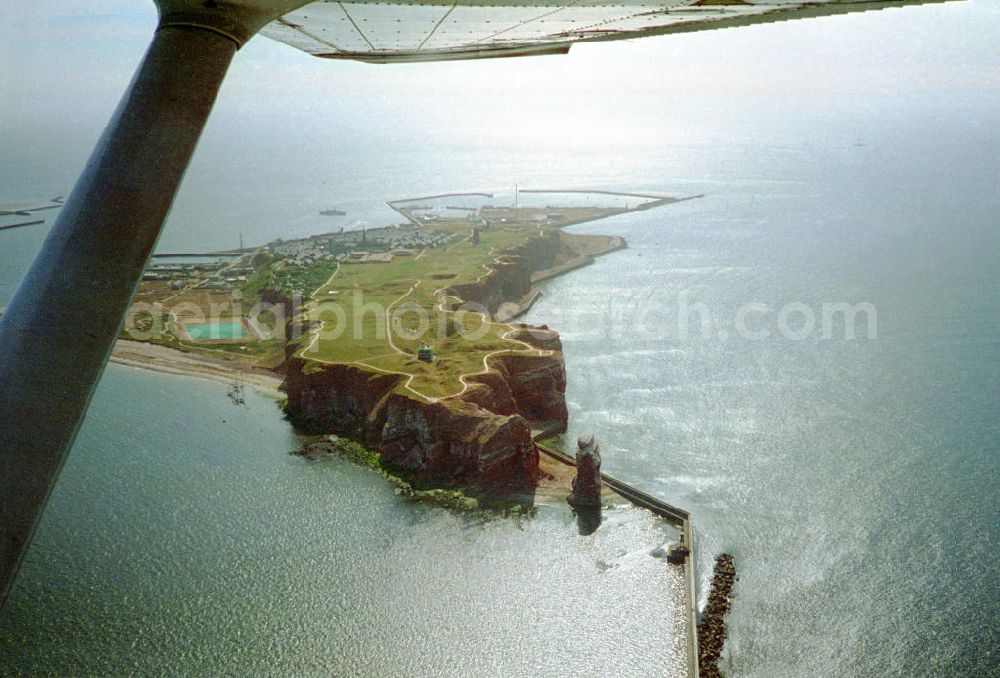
(712, 628)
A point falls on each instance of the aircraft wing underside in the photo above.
(437, 30)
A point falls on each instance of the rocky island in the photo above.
(401, 338)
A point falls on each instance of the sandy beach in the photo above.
(172, 361)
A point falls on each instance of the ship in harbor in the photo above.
(333, 213)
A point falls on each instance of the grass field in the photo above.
(378, 315)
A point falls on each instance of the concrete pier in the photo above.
(673, 515)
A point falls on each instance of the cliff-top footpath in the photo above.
(479, 438)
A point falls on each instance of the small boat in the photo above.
(333, 213)
(237, 391)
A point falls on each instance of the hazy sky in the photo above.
(65, 64)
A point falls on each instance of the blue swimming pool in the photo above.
(216, 330)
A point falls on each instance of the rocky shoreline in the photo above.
(317, 448)
(712, 628)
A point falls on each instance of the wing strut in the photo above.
(57, 334)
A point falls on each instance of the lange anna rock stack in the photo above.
(587, 484)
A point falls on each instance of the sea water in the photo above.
(182, 537)
(855, 481)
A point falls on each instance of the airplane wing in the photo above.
(439, 30)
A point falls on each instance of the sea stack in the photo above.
(587, 484)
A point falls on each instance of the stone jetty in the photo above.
(712, 629)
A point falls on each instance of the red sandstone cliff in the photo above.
(531, 386)
(448, 442)
(509, 278)
(481, 439)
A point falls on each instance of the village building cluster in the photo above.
(219, 274)
(366, 246)
(373, 245)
